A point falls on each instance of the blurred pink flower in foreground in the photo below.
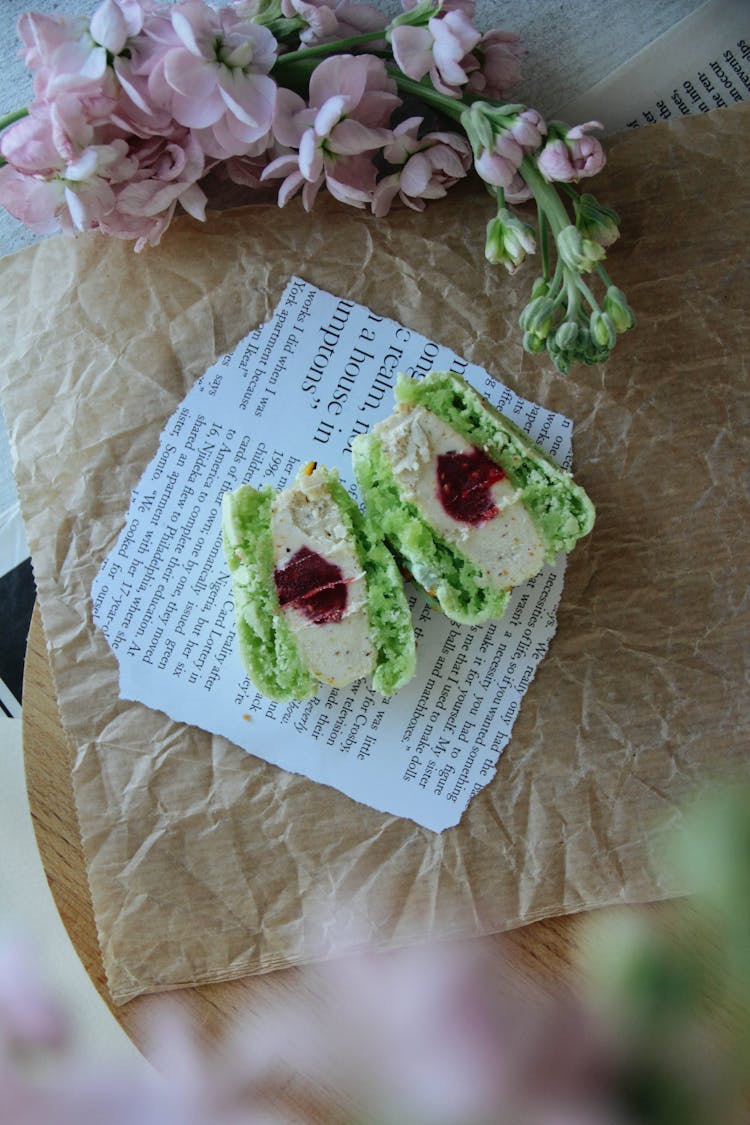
(577, 156)
(425, 166)
(351, 99)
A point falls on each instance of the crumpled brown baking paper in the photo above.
(206, 863)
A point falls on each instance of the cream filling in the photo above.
(508, 547)
(306, 515)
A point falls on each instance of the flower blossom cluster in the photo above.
(135, 107)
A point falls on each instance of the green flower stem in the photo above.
(323, 50)
(573, 293)
(9, 119)
(543, 241)
(451, 107)
(14, 115)
(546, 197)
(603, 275)
(583, 287)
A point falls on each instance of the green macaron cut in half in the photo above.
(470, 506)
(318, 596)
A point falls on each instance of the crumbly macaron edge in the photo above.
(266, 645)
(388, 611)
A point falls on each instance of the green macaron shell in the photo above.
(387, 608)
(454, 581)
(559, 507)
(266, 645)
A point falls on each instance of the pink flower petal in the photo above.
(415, 176)
(193, 200)
(338, 74)
(29, 146)
(197, 113)
(376, 106)
(109, 26)
(251, 97)
(84, 167)
(188, 75)
(554, 162)
(148, 198)
(88, 203)
(123, 68)
(310, 193)
(190, 21)
(281, 166)
(291, 118)
(455, 35)
(412, 50)
(356, 172)
(385, 192)
(350, 137)
(579, 131)
(310, 156)
(290, 187)
(33, 202)
(345, 193)
(330, 113)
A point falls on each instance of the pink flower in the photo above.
(426, 166)
(327, 20)
(167, 174)
(30, 1015)
(351, 98)
(518, 191)
(573, 158)
(498, 166)
(75, 199)
(116, 21)
(587, 154)
(438, 50)
(62, 56)
(60, 169)
(498, 64)
(528, 129)
(212, 75)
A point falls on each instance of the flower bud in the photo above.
(577, 252)
(536, 318)
(532, 344)
(602, 330)
(566, 335)
(617, 308)
(540, 288)
(595, 221)
(509, 240)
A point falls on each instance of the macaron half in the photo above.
(469, 504)
(318, 596)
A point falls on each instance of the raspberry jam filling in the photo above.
(312, 585)
(464, 480)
